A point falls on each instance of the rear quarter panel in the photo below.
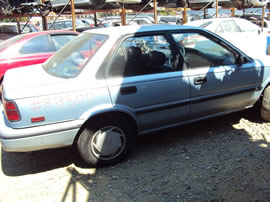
(60, 107)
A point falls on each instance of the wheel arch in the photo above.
(262, 92)
(131, 118)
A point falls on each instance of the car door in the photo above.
(218, 82)
(144, 77)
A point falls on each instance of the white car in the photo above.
(242, 33)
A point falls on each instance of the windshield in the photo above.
(70, 60)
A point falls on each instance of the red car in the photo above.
(32, 48)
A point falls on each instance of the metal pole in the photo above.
(205, 13)
(95, 19)
(123, 16)
(216, 8)
(233, 12)
(73, 15)
(263, 13)
(44, 20)
(155, 12)
(185, 15)
(18, 25)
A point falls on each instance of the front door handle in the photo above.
(199, 80)
(128, 90)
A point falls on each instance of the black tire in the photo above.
(115, 132)
(265, 108)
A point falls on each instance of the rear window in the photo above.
(70, 60)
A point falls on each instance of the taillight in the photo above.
(12, 111)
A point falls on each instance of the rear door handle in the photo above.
(199, 80)
(128, 90)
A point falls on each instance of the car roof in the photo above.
(214, 20)
(33, 34)
(51, 32)
(64, 20)
(122, 30)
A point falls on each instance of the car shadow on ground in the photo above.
(23, 163)
(207, 161)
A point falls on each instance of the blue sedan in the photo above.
(111, 84)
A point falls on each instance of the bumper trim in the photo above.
(47, 141)
(38, 137)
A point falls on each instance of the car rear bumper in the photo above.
(46, 141)
(39, 137)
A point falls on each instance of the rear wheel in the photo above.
(106, 140)
(265, 108)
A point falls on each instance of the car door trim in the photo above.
(222, 95)
(163, 107)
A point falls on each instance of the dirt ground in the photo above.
(221, 159)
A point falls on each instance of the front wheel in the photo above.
(265, 108)
(106, 141)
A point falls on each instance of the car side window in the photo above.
(142, 55)
(58, 25)
(60, 40)
(39, 44)
(68, 24)
(200, 51)
(219, 29)
(228, 26)
(247, 26)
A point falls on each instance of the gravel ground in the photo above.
(221, 159)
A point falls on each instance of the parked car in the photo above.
(111, 84)
(170, 19)
(256, 18)
(118, 22)
(10, 29)
(140, 20)
(65, 24)
(242, 33)
(32, 48)
(88, 21)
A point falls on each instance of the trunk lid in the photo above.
(31, 81)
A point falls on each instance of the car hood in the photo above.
(32, 81)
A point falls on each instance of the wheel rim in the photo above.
(108, 143)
